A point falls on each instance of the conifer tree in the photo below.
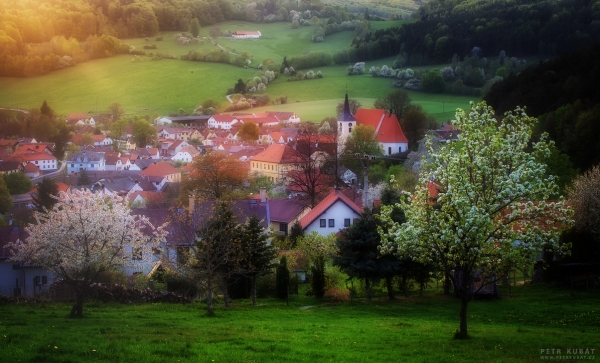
(257, 251)
(282, 278)
(84, 178)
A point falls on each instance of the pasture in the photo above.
(163, 87)
(414, 329)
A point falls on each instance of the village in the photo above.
(150, 177)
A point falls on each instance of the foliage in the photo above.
(195, 27)
(490, 193)
(143, 133)
(116, 110)
(249, 131)
(84, 178)
(282, 276)
(296, 232)
(217, 250)
(258, 253)
(432, 81)
(17, 183)
(584, 196)
(317, 277)
(214, 176)
(85, 234)
(5, 199)
(46, 189)
(397, 102)
(354, 106)
(415, 124)
(569, 110)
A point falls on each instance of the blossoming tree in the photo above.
(482, 206)
(84, 234)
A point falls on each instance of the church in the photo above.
(388, 131)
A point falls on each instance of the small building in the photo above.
(331, 215)
(241, 34)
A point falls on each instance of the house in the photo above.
(31, 170)
(388, 132)
(186, 154)
(130, 144)
(102, 140)
(285, 117)
(240, 34)
(7, 167)
(332, 214)
(77, 119)
(113, 161)
(17, 278)
(285, 213)
(85, 160)
(141, 198)
(42, 160)
(164, 170)
(275, 162)
(220, 121)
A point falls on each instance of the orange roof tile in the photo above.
(159, 169)
(386, 125)
(278, 153)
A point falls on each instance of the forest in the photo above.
(36, 38)
(568, 107)
(519, 27)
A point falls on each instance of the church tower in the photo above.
(346, 122)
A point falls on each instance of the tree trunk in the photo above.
(390, 287)
(225, 289)
(254, 290)
(465, 297)
(368, 289)
(209, 298)
(77, 310)
(447, 284)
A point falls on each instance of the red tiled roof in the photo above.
(159, 169)
(77, 116)
(31, 168)
(223, 118)
(7, 142)
(325, 204)
(386, 125)
(278, 153)
(151, 197)
(29, 156)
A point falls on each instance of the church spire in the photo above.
(346, 113)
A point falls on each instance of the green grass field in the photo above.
(417, 329)
(163, 87)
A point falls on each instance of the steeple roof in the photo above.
(346, 114)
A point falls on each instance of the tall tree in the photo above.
(85, 234)
(240, 87)
(46, 110)
(584, 195)
(5, 199)
(361, 141)
(488, 193)
(354, 106)
(47, 194)
(217, 250)
(258, 253)
(84, 178)
(397, 101)
(195, 27)
(17, 183)
(249, 132)
(116, 110)
(143, 133)
(415, 122)
(214, 176)
(282, 278)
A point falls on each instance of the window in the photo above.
(331, 223)
(283, 227)
(347, 222)
(323, 223)
(389, 150)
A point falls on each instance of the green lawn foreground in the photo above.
(417, 329)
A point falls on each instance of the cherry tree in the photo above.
(483, 203)
(85, 234)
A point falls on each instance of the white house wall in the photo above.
(338, 212)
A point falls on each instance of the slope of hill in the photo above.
(564, 94)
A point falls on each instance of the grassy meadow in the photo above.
(414, 329)
(163, 87)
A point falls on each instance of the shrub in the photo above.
(159, 38)
(413, 84)
(282, 278)
(309, 75)
(150, 46)
(447, 74)
(337, 294)
(319, 74)
(318, 277)
(357, 68)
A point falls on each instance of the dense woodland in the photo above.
(563, 94)
(36, 38)
(520, 28)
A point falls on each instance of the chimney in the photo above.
(192, 203)
(263, 194)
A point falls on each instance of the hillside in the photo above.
(520, 28)
(564, 94)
